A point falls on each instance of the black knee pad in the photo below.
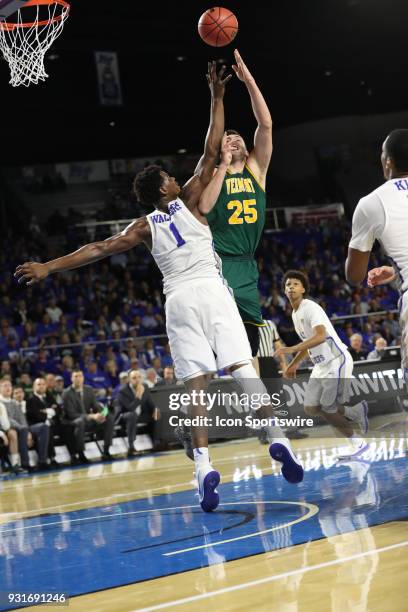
(253, 337)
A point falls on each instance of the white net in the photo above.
(24, 47)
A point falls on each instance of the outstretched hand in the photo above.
(217, 82)
(31, 272)
(241, 69)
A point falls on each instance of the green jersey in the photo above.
(238, 218)
(236, 222)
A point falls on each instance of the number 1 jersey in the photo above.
(182, 247)
(238, 218)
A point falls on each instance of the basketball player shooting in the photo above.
(237, 214)
(383, 215)
(202, 318)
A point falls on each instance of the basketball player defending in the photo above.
(383, 216)
(201, 315)
(328, 390)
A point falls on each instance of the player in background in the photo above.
(202, 318)
(327, 393)
(383, 215)
(238, 217)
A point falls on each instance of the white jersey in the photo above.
(182, 247)
(383, 216)
(305, 319)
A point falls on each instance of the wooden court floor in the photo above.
(129, 535)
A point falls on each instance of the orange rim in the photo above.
(9, 27)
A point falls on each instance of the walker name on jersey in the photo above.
(239, 185)
(162, 217)
(401, 185)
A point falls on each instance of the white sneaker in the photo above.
(208, 479)
(357, 448)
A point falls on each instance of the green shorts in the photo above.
(241, 273)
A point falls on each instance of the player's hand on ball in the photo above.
(31, 272)
(380, 276)
(217, 82)
(241, 69)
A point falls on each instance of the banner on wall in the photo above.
(381, 384)
(109, 86)
(301, 215)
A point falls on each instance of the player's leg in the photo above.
(403, 305)
(327, 392)
(194, 361)
(232, 348)
(207, 478)
(279, 446)
(252, 331)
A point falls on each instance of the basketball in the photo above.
(218, 26)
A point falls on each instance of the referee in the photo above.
(269, 342)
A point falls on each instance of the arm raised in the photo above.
(134, 234)
(210, 194)
(205, 168)
(261, 154)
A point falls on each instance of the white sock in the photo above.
(14, 459)
(201, 456)
(350, 412)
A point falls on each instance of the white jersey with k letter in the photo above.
(182, 246)
(383, 216)
(203, 324)
(305, 319)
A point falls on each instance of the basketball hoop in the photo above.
(25, 43)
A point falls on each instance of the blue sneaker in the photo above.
(208, 480)
(291, 469)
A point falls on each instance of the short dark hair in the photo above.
(147, 185)
(397, 148)
(298, 275)
(232, 132)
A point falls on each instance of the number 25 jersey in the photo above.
(182, 247)
(238, 218)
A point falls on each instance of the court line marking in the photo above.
(267, 579)
(312, 510)
(195, 506)
(113, 498)
(50, 480)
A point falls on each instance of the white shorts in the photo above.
(203, 319)
(403, 308)
(329, 385)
